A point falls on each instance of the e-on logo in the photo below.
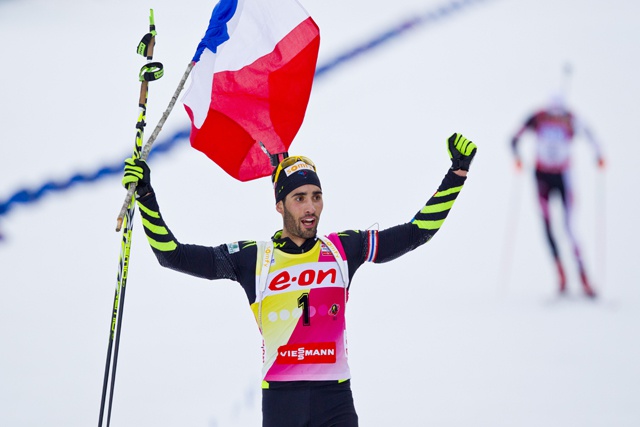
(307, 277)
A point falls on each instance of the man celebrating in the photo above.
(298, 282)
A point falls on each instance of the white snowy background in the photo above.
(465, 331)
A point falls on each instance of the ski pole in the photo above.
(508, 247)
(149, 72)
(601, 226)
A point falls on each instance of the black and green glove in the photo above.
(137, 171)
(461, 152)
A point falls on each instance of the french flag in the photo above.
(251, 83)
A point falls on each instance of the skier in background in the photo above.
(555, 128)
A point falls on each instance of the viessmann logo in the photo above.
(320, 352)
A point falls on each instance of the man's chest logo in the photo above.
(308, 277)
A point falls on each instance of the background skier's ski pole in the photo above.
(511, 231)
(601, 226)
(149, 72)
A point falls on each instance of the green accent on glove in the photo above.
(461, 151)
(137, 171)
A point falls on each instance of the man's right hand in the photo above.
(137, 171)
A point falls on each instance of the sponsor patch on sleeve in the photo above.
(233, 247)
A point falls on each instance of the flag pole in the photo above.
(147, 147)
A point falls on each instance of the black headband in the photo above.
(299, 174)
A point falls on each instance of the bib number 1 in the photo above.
(303, 303)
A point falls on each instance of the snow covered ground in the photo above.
(465, 331)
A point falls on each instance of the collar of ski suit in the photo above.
(287, 245)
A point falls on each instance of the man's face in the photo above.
(301, 211)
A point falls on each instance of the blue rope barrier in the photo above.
(26, 196)
(439, 13)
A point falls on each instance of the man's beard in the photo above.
(294, 227)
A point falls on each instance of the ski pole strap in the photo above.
(151, 71)
(145, 43)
